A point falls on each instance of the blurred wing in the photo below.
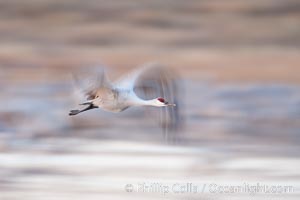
(152, 81)
(87, 83)
(128, 81)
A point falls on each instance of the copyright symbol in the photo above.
(129, 188)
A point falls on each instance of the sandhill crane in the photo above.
(150, 85)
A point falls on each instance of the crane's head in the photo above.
(160, 102)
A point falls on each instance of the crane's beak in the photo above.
(170, 104)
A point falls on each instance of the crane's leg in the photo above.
(75, 112)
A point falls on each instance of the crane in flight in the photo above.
(150, 85)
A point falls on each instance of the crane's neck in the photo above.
(141, 102)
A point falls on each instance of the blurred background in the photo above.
(239, 65)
